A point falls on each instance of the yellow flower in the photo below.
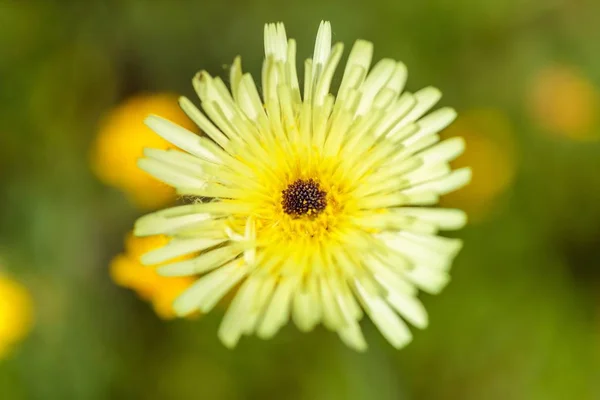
(127, 271)
(564, 102)
(307, 205)
(491, 152)
(16, 315)
(120, 142)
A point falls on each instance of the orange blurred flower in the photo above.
(127, 271)
(564, 102)
(490, 151)
(16, 315)
(121, 139)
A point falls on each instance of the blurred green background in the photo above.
(521, 318)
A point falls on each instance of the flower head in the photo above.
(121, 140)
(15, 313)
(309, 206)
(127, 271)
(562, 101)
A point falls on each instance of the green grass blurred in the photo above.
(521, 318)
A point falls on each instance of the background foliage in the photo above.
(521, 318)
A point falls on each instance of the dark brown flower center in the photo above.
(303, 197)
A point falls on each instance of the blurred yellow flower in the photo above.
(121, 139)
(15, 313)
(127, 271)
(490, 151)
(564, 102)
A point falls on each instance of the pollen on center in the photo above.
(304, 197)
